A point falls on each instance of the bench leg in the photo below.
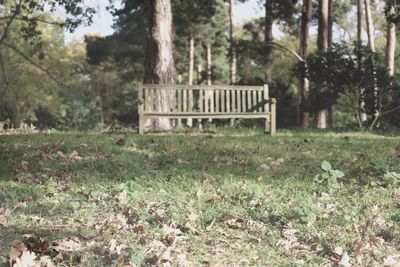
(267, 126)
(141, 125)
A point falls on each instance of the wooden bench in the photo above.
(207, 102)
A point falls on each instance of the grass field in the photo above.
(214, 199)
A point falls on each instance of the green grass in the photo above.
(227, 198)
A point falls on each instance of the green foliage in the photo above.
(349, 70)
(329, 176)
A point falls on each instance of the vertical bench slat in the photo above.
(248, 100)
(190, 95)
(141, 110)
(228, 101)
(254, 93)
(243, 101)
(234, 109)
(239, 101)
(266, 97)
(259, 93)
(212, 101)
(201, 100)
(217, 108)
(185, 100)
(223, 101)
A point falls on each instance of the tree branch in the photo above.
(9, 22)
(46, 71)
(294, 53)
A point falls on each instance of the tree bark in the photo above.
(331, 108)
(371, 45)
(306, 16)
(370, 25)
(191, 69)
(232, 43)
(390, 42)
(232, 51)
(209, 65)
(322, 44)
(159, 67)
(269, 37)
(362, 116)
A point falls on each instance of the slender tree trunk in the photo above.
(390, 43)
(370, 25)
(191, 68)
(322, 46)
(209, 65)
(191, 60)
(199, 73)
(209, 74)
(269, 37)
(306, 16)
(159, 67)
(359, 21)
(232, 43)
(371, 45)
(232, 51)
(362, 116)
(331, 108)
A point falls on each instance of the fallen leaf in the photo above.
(4, 214)
(16, 251)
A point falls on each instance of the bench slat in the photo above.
(202, 87)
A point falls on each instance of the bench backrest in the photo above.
(182, 99)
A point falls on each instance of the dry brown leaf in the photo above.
(16, 251)
(357, 246)
(61, 154)
(4, 214)
(375, 241)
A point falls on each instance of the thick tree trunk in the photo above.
(306, 16)
(331, 108)
(159, 66)
(322, 44)
(269, 37)
(390, 43)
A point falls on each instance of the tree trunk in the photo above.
(269, 37)
(322, 44)
(331, 108)
(159, 67)
(371, 45)
(362, 116)
(390, 42)
(209, 65)
(232, 51)
(306, 16)
(209, 75)
(370, 26)
(232, 43)
(359, 21)
(191, 68)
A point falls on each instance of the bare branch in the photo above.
(294, 53)
(30, 61)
